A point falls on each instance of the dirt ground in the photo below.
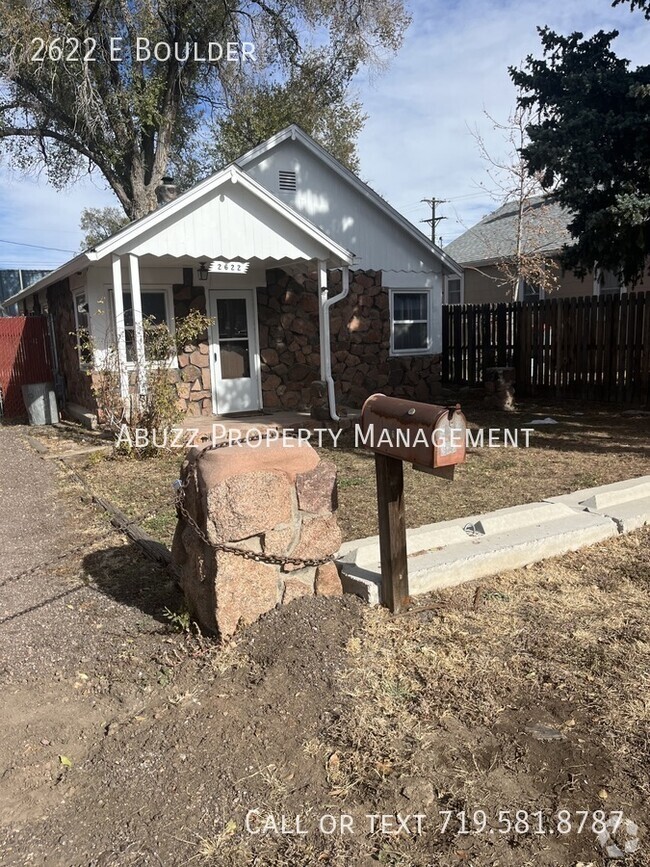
(128, 741)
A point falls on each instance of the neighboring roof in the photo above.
(294, 132)
(494, 237)
(125, 240)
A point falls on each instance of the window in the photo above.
(529, 291)
(410, 321)
(154, 308)
(82, 328)
(287, 181)
(454, 290)
(607, 283)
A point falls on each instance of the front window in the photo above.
(410, 322)
(154, 311)
(607, 283)
(82, 328)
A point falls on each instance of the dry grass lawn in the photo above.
(589, 446)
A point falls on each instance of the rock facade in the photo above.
(289, 345)
(271, 499)
(77, 382)
(193, 378)
(360, 332)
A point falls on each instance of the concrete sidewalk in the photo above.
(452, 552)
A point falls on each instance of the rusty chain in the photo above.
(246, 554)
(180, 488)
(116, 527)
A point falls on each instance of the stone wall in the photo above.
(289, 344)
(271, 499)
(360, 341)
(193, 376)
(77, 382)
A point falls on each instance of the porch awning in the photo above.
(229, 216)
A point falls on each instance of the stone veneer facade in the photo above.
(193, 379)
(360, 339)
(289, 345)
(77, 381)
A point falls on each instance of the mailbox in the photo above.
(430, 437)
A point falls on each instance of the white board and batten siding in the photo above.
(330, 201)
(229, 222)
(334, 204)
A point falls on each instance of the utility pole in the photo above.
(433, 221)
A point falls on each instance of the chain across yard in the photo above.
(122, 526)
(271, 559)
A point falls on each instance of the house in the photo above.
(484, 248)
(309, 275)
(12, 281)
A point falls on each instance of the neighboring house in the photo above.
(308, 273)
(12, 282)
(481, 250)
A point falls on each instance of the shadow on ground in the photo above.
(124, 574)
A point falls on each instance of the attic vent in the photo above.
(287, 181)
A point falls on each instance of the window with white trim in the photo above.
(529, 291)
(453, 290)
(82, 328)
(607, 283)
(410, 321)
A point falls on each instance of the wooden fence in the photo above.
(24, 359)
(593, 348)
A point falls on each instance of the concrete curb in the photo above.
(452, 552)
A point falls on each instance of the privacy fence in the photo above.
(24, 360)
(593, 348)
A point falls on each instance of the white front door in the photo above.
(234, 351)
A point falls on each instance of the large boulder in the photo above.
(272, 498)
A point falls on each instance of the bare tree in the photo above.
(525, 257)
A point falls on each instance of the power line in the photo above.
(433, 221)
(36, 246)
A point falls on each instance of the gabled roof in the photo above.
(128, 237)
(295, 133)
(494, 237)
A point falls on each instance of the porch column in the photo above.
(118, 309)
(138, 328)
(322, 313)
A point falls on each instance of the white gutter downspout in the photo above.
(325, 346)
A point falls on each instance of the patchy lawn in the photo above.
(526, 692)
(589, 446)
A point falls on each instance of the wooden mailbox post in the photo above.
(430, 437)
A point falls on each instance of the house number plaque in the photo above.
(221, 266)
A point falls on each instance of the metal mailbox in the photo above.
(430, 437)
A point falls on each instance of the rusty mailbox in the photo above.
(430, 437)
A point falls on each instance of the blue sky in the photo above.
(416, 143)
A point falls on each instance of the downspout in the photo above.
(326, 349)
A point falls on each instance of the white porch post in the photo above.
(322, 313)
(118, 309)
(138, 329)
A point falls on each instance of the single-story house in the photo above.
(309, 276)
(482, 250)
